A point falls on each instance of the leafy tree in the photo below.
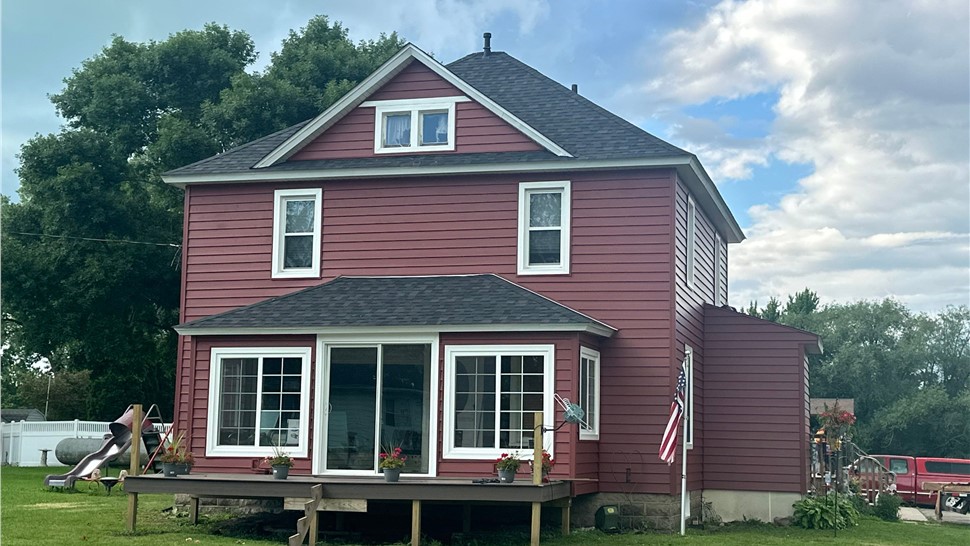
(90, 270)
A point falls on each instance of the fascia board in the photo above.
(598, 329)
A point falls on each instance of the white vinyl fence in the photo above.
(21, 442)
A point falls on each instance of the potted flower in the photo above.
(837, 424)
(281, 463)
(507, 465)
(391, 463)
(177, 459)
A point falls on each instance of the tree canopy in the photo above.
(909, 373)
(92, 250)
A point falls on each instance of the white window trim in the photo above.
(414, 107)
(689, 409)
(498, 351)
(217, 354)
(324, 343)
(279, 220)
(718, 273)
(562, 268)
(691, 240)
(594, 433)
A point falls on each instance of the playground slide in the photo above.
(115, 443)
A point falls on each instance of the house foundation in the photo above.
(766, 506)
(638, 511)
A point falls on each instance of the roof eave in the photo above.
(592, 328)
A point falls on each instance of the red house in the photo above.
(441, 253)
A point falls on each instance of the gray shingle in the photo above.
(466, 300)
(585, 130)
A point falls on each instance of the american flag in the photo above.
(668, 446)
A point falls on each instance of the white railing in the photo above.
(22, 442)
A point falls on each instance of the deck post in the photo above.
(134, 452)
(415, 522)
(537, 450)
(466, 519)
(566, 514)
(194, 510)
(536, 518)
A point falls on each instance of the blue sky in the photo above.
(837, 132)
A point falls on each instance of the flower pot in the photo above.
(182, 469)
(392, 475)
(280, 471)
(168, 470)
(506, 476)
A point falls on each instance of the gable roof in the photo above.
(441, 303)
(575, 133)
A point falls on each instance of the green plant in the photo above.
(392, 459)
(279, 458)
(887, 507)
(824, 513)
(860, 504)
(178, 452)
(508, 462)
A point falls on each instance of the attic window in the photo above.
(414, 125)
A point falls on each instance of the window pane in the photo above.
(545, 209)
(406, 402)
(397, 130)
(298, 251)
(299, 216)
(434, 128)
(238, 411)
(475, 401)
(544, 247)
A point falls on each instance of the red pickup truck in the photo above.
(912, 472)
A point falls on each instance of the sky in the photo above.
(837, 132)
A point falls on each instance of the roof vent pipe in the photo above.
(575, 88)
(488, 43)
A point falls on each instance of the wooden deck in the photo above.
(348, 490)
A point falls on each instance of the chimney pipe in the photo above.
(575, 88)
(488, 43)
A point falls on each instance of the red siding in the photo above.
(756, 404)
(477, 129)
(621, 273)
(200, 363)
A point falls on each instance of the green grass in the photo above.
(32, 514)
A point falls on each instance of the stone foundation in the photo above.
(638, 511)
(232, 506)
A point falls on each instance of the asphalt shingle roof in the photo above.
(464, 300)
(585, 130)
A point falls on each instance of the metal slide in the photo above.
(115, 443)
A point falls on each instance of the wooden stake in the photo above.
(134, 451)
(415, 523)
(537, 450)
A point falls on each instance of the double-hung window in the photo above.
(296, 233)
(491, 396)
(258, 400)
(544, 219)
(589, 393)
(414, 125)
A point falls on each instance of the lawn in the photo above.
(31, 514)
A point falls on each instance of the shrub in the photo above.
(860, 504)
(821, 513)
(887, 507)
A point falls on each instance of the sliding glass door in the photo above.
(378, 398)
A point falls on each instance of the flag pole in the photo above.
(683, 477)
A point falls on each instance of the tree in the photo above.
(92, 256)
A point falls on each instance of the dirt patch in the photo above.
(61, 506)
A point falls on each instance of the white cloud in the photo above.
(875, 98)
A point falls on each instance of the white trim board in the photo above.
(603, 330)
